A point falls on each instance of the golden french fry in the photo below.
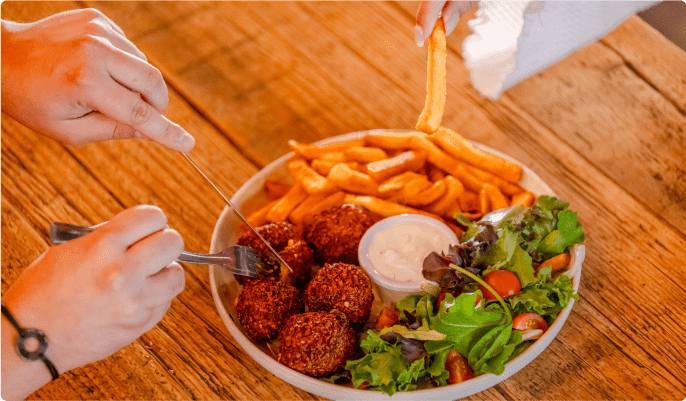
(275, 189)
(469, 202)
(452, 210)
(302, 215)
(323, 167)
(496, 199)
(429, 195)
(455, 189)
(352, 181)
(298, 214)
(414, 187)
(506, 187)
(484, 204)
(336, 157)
(365, 154)
(259, 217)
(432, 114)
(397, 183)
(435, 174)
(384, 207)
(470, 182)
(311, 181)
(406, 161)
(392, 140)
(524, 198)
(315, 152)
(435, 155)
(458, 147)
(283, 207)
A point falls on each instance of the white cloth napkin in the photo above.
(512, 40)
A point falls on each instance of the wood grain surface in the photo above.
(605, 128)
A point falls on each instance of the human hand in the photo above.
(429, 11)
(76, 78)
(96, 294)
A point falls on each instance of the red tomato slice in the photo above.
(458, 368)
(504, 282)
(529, 321)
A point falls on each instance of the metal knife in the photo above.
(240, 216)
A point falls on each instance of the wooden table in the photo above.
(606, 128)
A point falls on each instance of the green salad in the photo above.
(496, 292)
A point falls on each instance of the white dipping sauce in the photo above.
(398, 250)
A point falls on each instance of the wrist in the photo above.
(20, 378)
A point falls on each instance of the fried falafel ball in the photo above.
(335, 233)
(343, 287)
(299, 257)
(264, 304)
(317, 343)
(289, 243)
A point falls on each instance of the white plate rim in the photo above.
(334, 391)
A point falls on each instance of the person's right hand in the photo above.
(75, 77)
(429, 11)
(96, 294)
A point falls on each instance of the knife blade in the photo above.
(240, 216)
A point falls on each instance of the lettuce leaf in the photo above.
(568, 233)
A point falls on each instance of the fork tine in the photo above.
(247, 261)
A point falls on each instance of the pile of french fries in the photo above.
(437, 175)
(433, 171)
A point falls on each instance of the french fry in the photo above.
(406, 161)
(397, 183)
(311, 181)
(455, 189)
(484, 204)
(323, 167)
(506, 187)
(458, 147)
(435, 174)
(432, 114)
(524, 198)
(429, 195)
(335, 199)
(365, 155)
(415, 187)
(496, 199)
(315, 152)
(352, 181)
(470, 182)
(283, 207)
(298, 214)
(435, 155)
(469, 202)
(454, 208)
(392, 140)
(259, 217)
(336, 157)
(384, 207)
(275, 189)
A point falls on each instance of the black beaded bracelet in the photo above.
(24, 335)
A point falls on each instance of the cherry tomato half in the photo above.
(529, 321)
(457, 367)
(504, 282)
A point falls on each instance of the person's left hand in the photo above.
(75, 77)
(429, 11)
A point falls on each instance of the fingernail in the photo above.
(419, 35)
(186, 141)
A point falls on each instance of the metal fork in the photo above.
(236, 259)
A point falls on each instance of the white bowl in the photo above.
(225, 290)
(392, 290)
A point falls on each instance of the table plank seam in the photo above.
(643, 77)
(629, 338)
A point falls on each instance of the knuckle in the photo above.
(90, 14)
(141, 112)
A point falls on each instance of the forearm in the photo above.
(19, 378)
